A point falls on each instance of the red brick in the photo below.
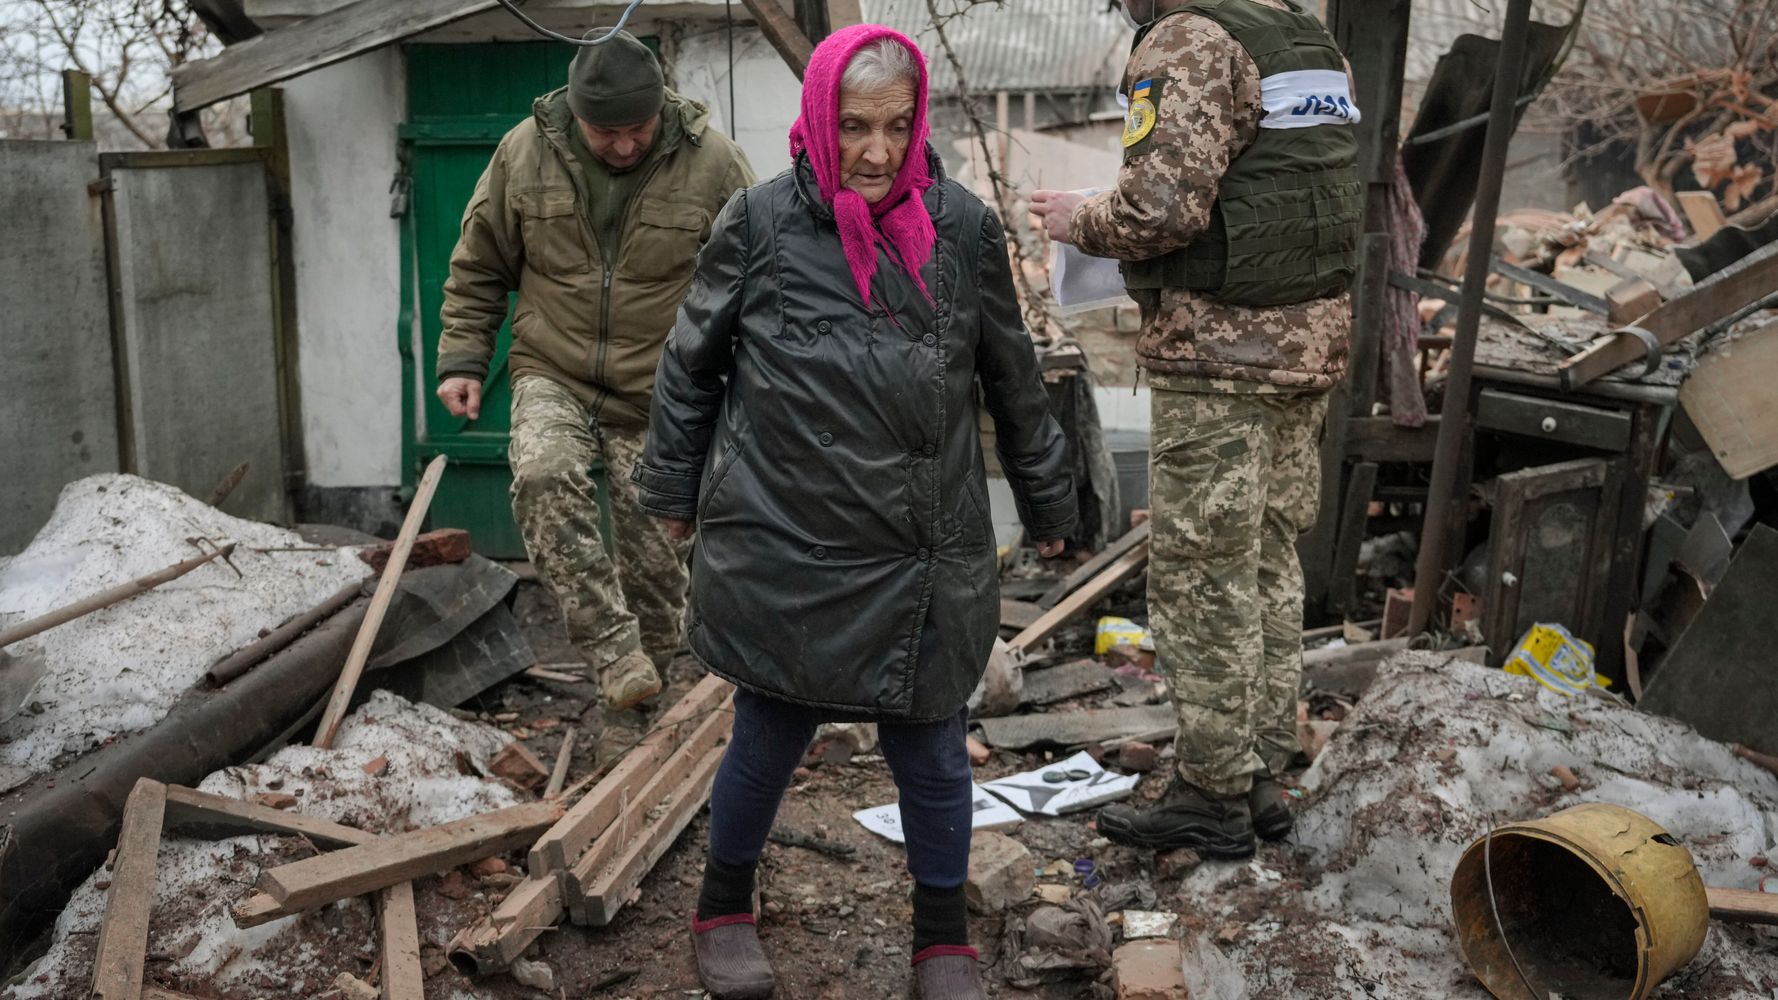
(434, 548)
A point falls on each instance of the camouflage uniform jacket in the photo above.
(1209, 112)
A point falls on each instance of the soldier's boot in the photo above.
(629, 681)
(1270, 804)
(948, 972)
(731, 963)
(1186, 816)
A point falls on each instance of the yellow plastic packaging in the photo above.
(1552, 656)
(1120, 632)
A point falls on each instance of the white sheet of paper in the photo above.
(1030, 793)
(990, 814)
(1081, 283)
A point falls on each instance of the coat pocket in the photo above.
(554, 243)
(666, 240)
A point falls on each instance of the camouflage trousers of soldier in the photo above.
(1234, 479)
(611, 607)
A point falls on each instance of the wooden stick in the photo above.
(379, 606)
(391, 860)
(106, 598)
(1094, 566)
(1766, 761)
(228, 484)
(1107, 580)
(782, 31)
(559, 776)
(123, 937)
(546, 674)
(196, 813)
(608, 891)
(491, 945)
(556, 850)
(403, 978)
(1742, 906)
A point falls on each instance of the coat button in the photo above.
(929, 340)
(929, 451)
(826, 438)
(824, 327)
(925, 555)
(819, 552)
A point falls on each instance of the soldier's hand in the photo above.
(1050, 549)
(461, 396)
(1056, 209)
(679, 530)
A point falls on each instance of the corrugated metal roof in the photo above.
(1017, 45)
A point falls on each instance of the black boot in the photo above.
(1186, 816)
(1270, 804)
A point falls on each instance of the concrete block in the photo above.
(1150, 970)
(1001, 872)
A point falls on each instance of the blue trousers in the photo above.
(929, 760)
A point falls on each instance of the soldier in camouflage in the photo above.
(1235, 217)
(592, 210)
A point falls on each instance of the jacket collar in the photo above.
(691, 118)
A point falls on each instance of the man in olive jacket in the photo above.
(593, 210)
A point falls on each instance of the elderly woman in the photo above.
(815, 423)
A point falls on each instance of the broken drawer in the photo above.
(1570, 423)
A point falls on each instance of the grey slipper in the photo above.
(731, 963)
(948, 972)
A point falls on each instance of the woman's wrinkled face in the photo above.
(876, 127)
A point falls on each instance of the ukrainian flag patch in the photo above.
(1140, 120)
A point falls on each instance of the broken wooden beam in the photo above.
(1742, 906)
(123, 935)
(1753, 756)
(1104, 583)
(782, 31)
(403, 857)
(565, 756)
(113, 595)
(200, 814)
(1094, 566)
(556, 850)
(490, 945)
(1703, 211)
(379, 604)
(403, 978)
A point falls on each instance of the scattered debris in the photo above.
(1150, 970)
(978, 751)
(1066, 682)
(353, 988)
(536, 975)
(1140, 924)
(989, 814)
(1065, 786)
(1000, 872)
(519, 765)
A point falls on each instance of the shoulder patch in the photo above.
(1139, 121)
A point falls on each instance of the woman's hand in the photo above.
(1050, 549)
(678, 530)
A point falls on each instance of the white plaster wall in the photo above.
(767, 94)
(342, 121)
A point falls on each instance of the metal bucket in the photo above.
(1596, 902)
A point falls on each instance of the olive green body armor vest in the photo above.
(1284, 228)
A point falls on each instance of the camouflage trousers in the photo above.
(611, 608)
(1234, 478)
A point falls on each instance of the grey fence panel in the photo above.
(195, 294)
(58, 407)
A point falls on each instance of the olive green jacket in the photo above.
(594, 326)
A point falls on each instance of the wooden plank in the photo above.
(1703, 211)
(633, 821)
(1094, 566)
(379, 604)
(123, 936)
(1125, 567)
(255, 910)
(610, 889)
(565, 756)
(1380, 439)
(781, 30)
(1070, 729)
(200, 814)
(1730, 398)
(1018, 614)
(1342, 584)
(308, 45)
(1070, 680)
(1742, 906)
(403, 978)
(1735, 287)
(391, 860)
(588, 818)
(491, 944)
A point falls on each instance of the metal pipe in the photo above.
(1429, 570)
(249, 656)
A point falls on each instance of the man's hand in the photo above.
(1056, 209)
(678, 530)
(461, 396)
(1050, 549)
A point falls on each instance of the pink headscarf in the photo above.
(905, 224)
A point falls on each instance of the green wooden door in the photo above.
(461, 100)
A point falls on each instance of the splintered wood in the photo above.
(123, 937)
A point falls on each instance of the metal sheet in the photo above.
(58, 410)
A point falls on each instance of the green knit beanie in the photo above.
(617, 83)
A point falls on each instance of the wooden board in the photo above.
(1018, 614)
(556, 850)
(1094, 566)
(1128, 565)
(1550, 551)
(1732, 399)
(532, 907)
(255, 910)
(310, 44)
(123, 936)
(1720, 676)
(403, 978)
(1070, 729)
(200, 814)
(1703, 211)
(391, 860)
(1070, 680)
(634, 820)
(610, 889)
(781, 30)
(1742, 906)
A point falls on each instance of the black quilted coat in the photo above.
(831, 455)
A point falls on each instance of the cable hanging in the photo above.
(558, 36)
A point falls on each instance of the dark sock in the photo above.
(726, 891)
(940, 917)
